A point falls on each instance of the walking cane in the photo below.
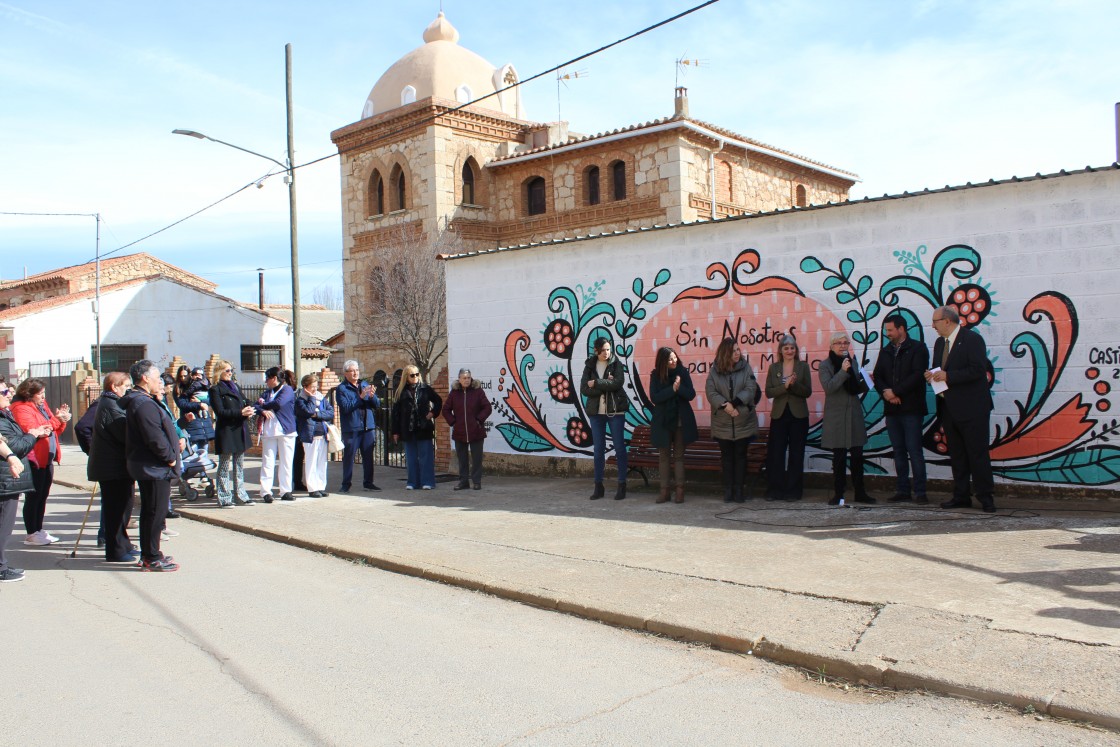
(74, 552)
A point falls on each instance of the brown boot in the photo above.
(679, 497)
(664, 496)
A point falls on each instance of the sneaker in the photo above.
(169, 533)
(427, 487)
(36, 539)
(344, 488)
(246, 501)
(49, 537)
(173, 514)
(8, 575)
(161, 565)
(409, 487)
(370, 486)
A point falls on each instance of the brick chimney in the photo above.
(680, 102)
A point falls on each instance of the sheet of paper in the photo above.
(938, 386)
(866, 378)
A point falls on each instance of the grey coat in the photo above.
(738, 387)
(842, 426)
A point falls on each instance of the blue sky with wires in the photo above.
(906, 94)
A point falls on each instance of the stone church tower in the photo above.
(444, 147)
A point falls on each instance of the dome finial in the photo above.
(441, 30)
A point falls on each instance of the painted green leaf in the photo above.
(864, 285)
(638, 287)
(846, 267)
(626, 306)
(620, 327)
(631, 330)
(872, 337)
(845, 296)
(662, 277)
(522, 439)
(855, 317)
(628, 352)
(650, 297)
(858, 336)
(811, 264)
(832, 281)
(1092, 466)
(639, 314)
(873, 310)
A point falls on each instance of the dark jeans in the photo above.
(470, 461)
(968, 455)
(733, 465)
(839, 456)
(154, 495)
(785, 455)
(116, 506)
(7, 523)
(359, 442)
(905, 432)
(35, 502)
(617, 425)
(297, 467)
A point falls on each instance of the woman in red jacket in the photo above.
(31, 411)
(466, 410)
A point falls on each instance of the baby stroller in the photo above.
(196, 462)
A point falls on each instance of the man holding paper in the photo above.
(899, 379)
(965, 406)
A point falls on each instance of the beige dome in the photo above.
(442, 69)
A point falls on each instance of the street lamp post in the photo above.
(290, 176)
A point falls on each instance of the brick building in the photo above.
(421, 161)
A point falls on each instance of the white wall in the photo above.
(1043, 256)
(169, 318)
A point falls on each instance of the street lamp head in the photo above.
(189, 133)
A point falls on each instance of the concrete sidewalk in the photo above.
(1021, 607)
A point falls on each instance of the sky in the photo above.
(906, 94)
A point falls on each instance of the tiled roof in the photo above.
(75, 271)
(317, 323)
(636, 129)
(825, 206)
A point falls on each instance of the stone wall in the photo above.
(1033, 265)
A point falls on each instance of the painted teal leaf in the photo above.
(864, 285)
(855, 317)
(858, 336)
(638, 287)
(845, 296)
(951, 255)
(873, 309)
(650, 297)
(628, 352)
(811, 264)
(631, 330)
(626, 306)
(620, 327)
(522, 439)
(662, 277)
(846, 267)
(1092, 466)
(872, 337)
(888, 292)
(1023, 343)
(639, 314)
(832, 281)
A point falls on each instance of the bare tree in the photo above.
(405, 303)
(328, 296)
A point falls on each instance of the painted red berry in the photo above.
(578, 432)
(972, 302)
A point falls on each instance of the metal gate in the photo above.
(55, 375)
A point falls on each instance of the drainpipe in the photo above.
(712, 173)
(1118, 131)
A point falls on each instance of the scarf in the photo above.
(854, 384)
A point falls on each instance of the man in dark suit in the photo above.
(965, 407)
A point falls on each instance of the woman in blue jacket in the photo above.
(313, 412)
(278, 433)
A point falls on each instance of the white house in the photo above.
(155, 317)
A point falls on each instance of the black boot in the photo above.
(600, 491)
(728, 494)
(621, 492)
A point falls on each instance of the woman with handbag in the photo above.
(732, 393)
(313, 413)
(413, 421)
(231, 437)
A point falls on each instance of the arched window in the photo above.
(398, 187)
(469, 177)
(408, 95)
(463, 94)
(801, 200)
(591, 182)
(618, 180)
(535, 196)
(376, 193)
(723, 181)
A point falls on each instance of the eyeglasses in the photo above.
(937, 319)
(6, 392)
(841, 343)
(414, 376)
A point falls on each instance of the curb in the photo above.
(858, 669)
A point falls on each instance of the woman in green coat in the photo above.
(672, 424)
(789, 384)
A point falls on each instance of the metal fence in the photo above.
(55, 375)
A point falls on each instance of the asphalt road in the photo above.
(254, 642)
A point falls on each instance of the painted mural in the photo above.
(1048, 438)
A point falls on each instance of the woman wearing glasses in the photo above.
(842, 430)
(231, 437)
(31, 411)
(15, 477)
(788, 385)
(414, 422)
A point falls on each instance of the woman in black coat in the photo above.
(231, 437)
(15, 477)
(672, 424)
(106, 466)
(414, 422)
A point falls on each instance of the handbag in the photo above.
(334, 439)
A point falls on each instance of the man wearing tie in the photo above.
(965, 407)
